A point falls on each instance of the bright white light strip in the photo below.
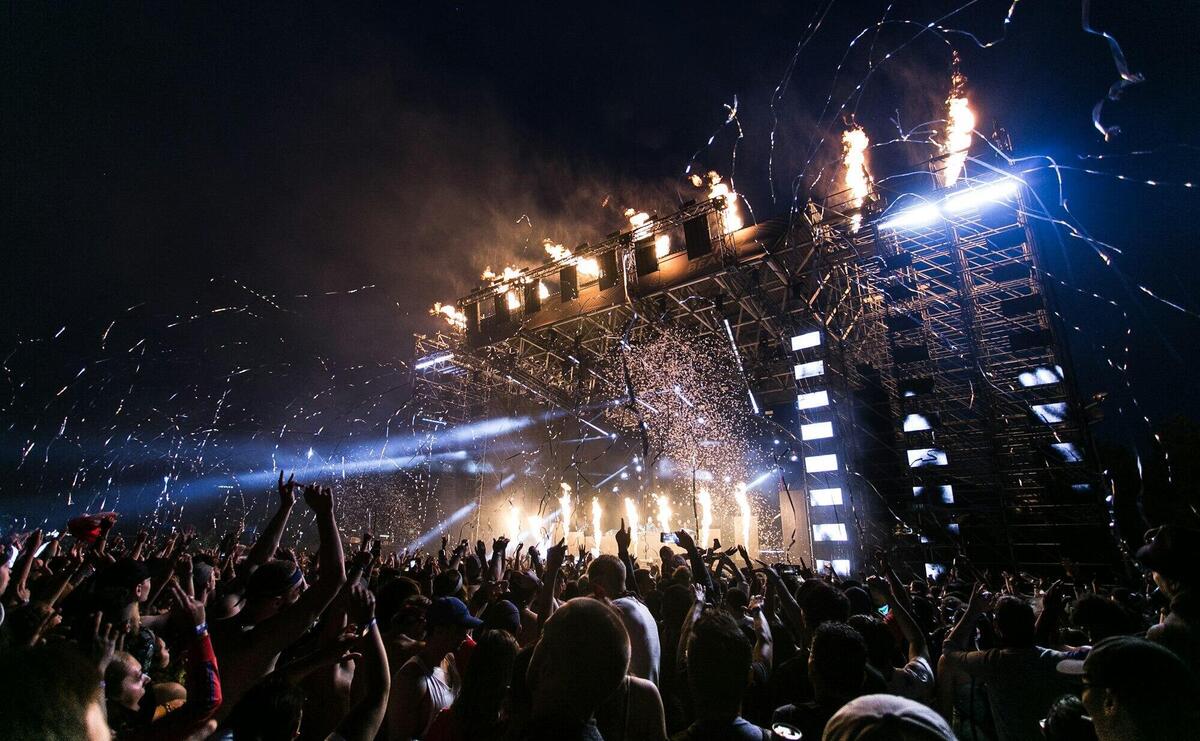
(1069, 452)
(806, 340)
(433, 360)
(945, 492)
(1051, 413)
(812, 400)
(810, 370)
(841, 566)
(816, 431)
(926, 457)
(821, 463)
(916, 216)
(916, 423)
(831, 531)
(1040, 376)
(825, 497)
(990, 193)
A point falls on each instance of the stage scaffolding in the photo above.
(948, 397)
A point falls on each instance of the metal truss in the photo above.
(931, 336)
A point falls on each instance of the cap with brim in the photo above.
(1134, 666)
(450, 611)
(448, 584)
(125, 574)
(886, 716)
(273, 579)
(1173, 552)
(502, 615)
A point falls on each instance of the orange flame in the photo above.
(960, 125)
(857, 180)
(454, 317)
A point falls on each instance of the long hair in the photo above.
(485, 684)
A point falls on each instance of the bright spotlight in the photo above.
(913, 217)
(995, 192)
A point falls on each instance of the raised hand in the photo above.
(185, 609)
(624, 537)
(320, 500)
(287, 491)
(685, 540)
(106, 642)
(360, 605)
(555, 555)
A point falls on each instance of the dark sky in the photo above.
(153, 154)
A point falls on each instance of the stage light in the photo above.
(991, 193)
(825, 497)
(835, 532)
(1068, 452)
(1041, 376)
(945, 492)
(921, 457)
(806, 340)
(432, 360)
(816, 431)
(916, 423)
(812, 400)
(821, 463)
(1051, 413)
(841, 566)
(922, 215)
(810, 370)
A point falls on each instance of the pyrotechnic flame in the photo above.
(636, 218)
(488, 274)
(732, 214)
(514, 301)
(564, 507)
(596, 534)
(513, 527)
(631, 521)
(543, 292)
(706, 518)
(664, 513)
(960, 125)
(535, 527)
(743, 503)
(588, 266)
(857, 179)
(454, 317)
(662, 246)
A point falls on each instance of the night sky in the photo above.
(186, 157)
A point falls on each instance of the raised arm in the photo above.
(624, 538)
(695, 558)
(917, 646)
(17, 591)
(545, 603)
(685, 630)
(268, 541)
(280, 630)
(764, 643)
(365, 718)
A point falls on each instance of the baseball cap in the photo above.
(448, 584)
(450, 611)
(1172, 551)
(502, 615)
(126, 573)
(886, 717)
(1134, 667)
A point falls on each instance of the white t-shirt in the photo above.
(645, 654)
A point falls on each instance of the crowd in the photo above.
(112, 634)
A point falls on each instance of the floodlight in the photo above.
(830, 531)
(996, 192)
(917, 216)
(825, 497)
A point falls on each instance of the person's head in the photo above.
(1099, 617)
(837, 661)
(735, 601)
(1065, 721)
(486, 681)
(886, 718)
(270, 711)
(392, 595)
(449, 583)
(447, 621)
(579, 661)
(645, 581)
(881, 644)
(204, 577)
(1172, 554)
(1015, 622)
(50, 693)
(125, 682)
(718, 665)
(606, 574)
(273, 586)
(822, 602)
(682, 575)
(1136, 689)
(860, 601)
(502, 615)
(522, 587)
